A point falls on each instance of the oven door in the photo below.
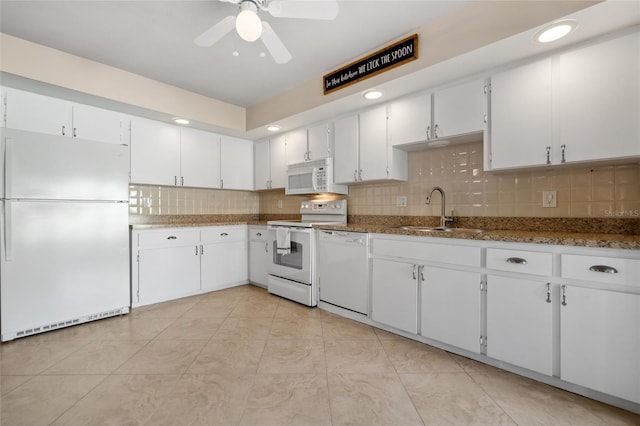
(295, 265)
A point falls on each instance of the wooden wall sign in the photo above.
(397, 54)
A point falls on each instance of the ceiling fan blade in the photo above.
(274, 45)
(305, 9)
(215, 33)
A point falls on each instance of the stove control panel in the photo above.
(337, 207)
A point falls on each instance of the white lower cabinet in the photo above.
(260, 253)
(394, 292)
(224, 261)
(519, 322)
(451, 307)
(170, 263)
(600, 340)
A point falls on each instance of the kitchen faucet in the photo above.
(443, 218)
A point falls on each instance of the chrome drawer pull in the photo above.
(517, 260)
(259, 234)
(172, 237)
(224, 234)
(604, 268)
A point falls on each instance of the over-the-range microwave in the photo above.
(312, 177)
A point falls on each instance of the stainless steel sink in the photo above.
(439, 229)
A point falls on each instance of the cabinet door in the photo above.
(451, 307)
(167, 273)
(37, 113)
(520, 121)
(98, 125)
(260, 254)
(373, 144)
(599, 100)
(345, 160)
(155, 152)
(277, 154)
(261, 161)
(296, 146)
(410, 120)
(319, 141)
(236, 165)
(600, 341)
(199, 158)
(459, 110)
(224, 265)
(394, 289)
(519, 323)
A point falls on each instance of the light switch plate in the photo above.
(549, 198)
(401, 201)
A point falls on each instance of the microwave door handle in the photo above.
(314, 179)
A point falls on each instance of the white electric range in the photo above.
(292, 272)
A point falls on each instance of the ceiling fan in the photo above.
(250, 27)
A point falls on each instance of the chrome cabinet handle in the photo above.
(360, 175)
(604, 268)
(181, 180)
(517, 260)
(63, 130)
(196, 250)
(422, 272)
(172, 237)
(74, 132)
(548, 155)
(266, 247)
(428, 133)
(548, 292)
(355, 175)
(175, 180)
(564, 295)
(414, 271)
(201, 249)
(562, 147)
(435, 132)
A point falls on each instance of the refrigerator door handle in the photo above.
(8, 168)
(8, 232)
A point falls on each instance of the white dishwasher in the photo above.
(343, 269)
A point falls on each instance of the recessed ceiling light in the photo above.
(273, 128)
(181, 121)
(235, 53)
(262, 54)
(372, 94)
(556, 30)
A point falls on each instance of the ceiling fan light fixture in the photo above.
(248, 23)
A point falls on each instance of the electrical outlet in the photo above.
(549, 198)
(401, 201)
(279, 204)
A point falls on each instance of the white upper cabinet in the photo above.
(199, 158)
(99, 125)
(270, 163)
(361, 150)
(521, 126)
(296, 142)
(36, 113)
(582, 105)
(459, 110)
(43, 114)
(410, 119)
(598, 89)
(236, 167)
(320, 141)
(155, 152)
(452, 112)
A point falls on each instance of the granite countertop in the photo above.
(582, 239)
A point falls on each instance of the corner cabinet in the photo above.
(170, 263)
(362, 152)
(576, 106)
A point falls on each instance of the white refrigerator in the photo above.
(64, 234)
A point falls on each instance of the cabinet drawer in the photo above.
(526, 262)
(168, 237)
(609, 270)
(219, 234)
(261, 234)
(441, 253)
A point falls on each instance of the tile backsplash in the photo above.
(589, 191)
(582, 191)
(175, 200)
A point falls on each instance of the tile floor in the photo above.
(244, 357)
